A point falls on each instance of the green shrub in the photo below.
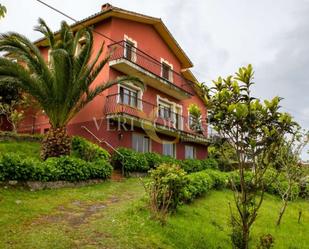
(209, 163)
(15, 167)
(88, 151)
(191, 165)
(129, 160)
(198, 184)
(166, 186)
(220, 179)
(153, 159)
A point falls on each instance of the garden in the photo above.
(251, 192)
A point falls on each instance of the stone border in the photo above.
(37, 185)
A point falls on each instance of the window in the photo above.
(140, 142)
(169, 149)
(190, 152)
(129, 50)
(128, 96)
(195, 123)
(166, 71)
(165, 110)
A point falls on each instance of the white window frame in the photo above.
(164, 142)
(175, 106)
(170, 76)
(193, 150)
(129, 39)
(144, 137)
(129, 86)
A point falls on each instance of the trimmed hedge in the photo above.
(88, 151)
(15, 167)
(12, 136)
(199, 183)
(129, 161)
(142, 162)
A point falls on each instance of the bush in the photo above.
(153, 159)
(209, 163)
(198, 184)
(220, 179)
(88, 151)
(14, 167)
(165, 186)
(129, 160)
(191, 165)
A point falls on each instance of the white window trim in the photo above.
(170, 77)
(127, 38)
(131, 86)
(174, 107)
(174, 146)
(194, 151)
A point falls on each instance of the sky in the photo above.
(219, 36)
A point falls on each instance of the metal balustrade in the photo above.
(125, 50)
(117, 104)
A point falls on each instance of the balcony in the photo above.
(132, 61)
(143, 114)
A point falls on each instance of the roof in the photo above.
(112, 11)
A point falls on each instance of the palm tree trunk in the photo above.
(56, 143)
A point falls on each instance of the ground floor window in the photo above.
(190, 152)
(169, 149)
(140, 142)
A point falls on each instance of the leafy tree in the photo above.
(61, 86)
(12, 113)
(2, 11)
(254, 130)
(195, 117)
(290, 168)
(8, 92)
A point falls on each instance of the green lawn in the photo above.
(31, 149)
(113, 215)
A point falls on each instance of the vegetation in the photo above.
(88, 151)
(164, 190)
(254, 130)
(2, 11)
(132, 161)
(20, 161)
(15, 167)
(112, 215)
(61, 85)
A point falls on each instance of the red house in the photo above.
(155, 118)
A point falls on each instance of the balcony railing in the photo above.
(125, 50)
(145, 111)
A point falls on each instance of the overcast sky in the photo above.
(218, 35)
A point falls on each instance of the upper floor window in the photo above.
(165, 110)
(130, 49)
(128, 96)
(166, 70)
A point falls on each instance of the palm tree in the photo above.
(62, 85)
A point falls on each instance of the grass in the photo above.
(113, 215)
(31, 149)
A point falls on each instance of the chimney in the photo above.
(106, 6)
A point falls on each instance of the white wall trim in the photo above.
(171, 65)
(127, 38)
